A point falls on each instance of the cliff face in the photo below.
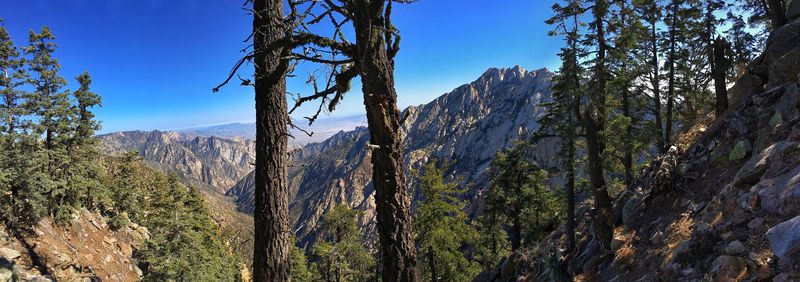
(724, 205)
(467, 126)
(219, 163)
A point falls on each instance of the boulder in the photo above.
(7, 271)
(785, 69)
(9, 254)
(735, 248)
(784, 238)
(631, 209)
(746, 85)
(787, 106)
(740, 151)
(781, 194)
(754, 168)
(729, 268)
(793, 11)
(781, 41)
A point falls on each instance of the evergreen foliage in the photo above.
(518, 197)
(340, 255)
(49, 168)
(442, 228)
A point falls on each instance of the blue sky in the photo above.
(155, 61)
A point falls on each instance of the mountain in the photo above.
(467, 125)
(322, 129)
(216, 162)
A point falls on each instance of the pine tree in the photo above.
(300, 269)
(184, 245)
(51, 104)
(562, 117)
(441, 227)
(594, 119)
(340, 254)
(742, 43)
(518, 197)
(12, 110)
(85, 100)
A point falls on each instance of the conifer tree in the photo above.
(594, 119)
(13, 110)
(518, 197)
(50, 102)
(340, 254)
(441, 227)
(563, 114)
(86, 100)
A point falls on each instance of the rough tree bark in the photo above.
(594, 121)
(720, 65)
(272, 234)
(376, 68)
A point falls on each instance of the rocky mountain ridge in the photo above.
(467, 126)
(219, 163)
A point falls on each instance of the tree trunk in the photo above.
(570, 163)
(516, 231)
(595, 124)
(671, 90)
(777, 12)
(432, 264)
(272, 233)
(383, 118)
(720, 85)
(656, 83)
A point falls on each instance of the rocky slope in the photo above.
(87, 250)
(724, 206)
(219, 163)
(467, 125)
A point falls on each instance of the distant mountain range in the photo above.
(467, 126)
(321, 130)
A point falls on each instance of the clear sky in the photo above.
(155, 61)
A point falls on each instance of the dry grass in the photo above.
(625, 255)
(678, 231)
(687, 138)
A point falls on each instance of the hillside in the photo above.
(724, 206)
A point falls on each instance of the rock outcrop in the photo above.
(86, 250)
(217, 162)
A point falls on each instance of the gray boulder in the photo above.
(754, 168)
(780, 195)
(784, 238)
(793, 11)
(785, 69)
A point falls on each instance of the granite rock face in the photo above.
(219, 163)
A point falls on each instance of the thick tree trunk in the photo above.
(656, 83)
(272, 233)
(595, 124)
(720, 85)
(383, 118)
